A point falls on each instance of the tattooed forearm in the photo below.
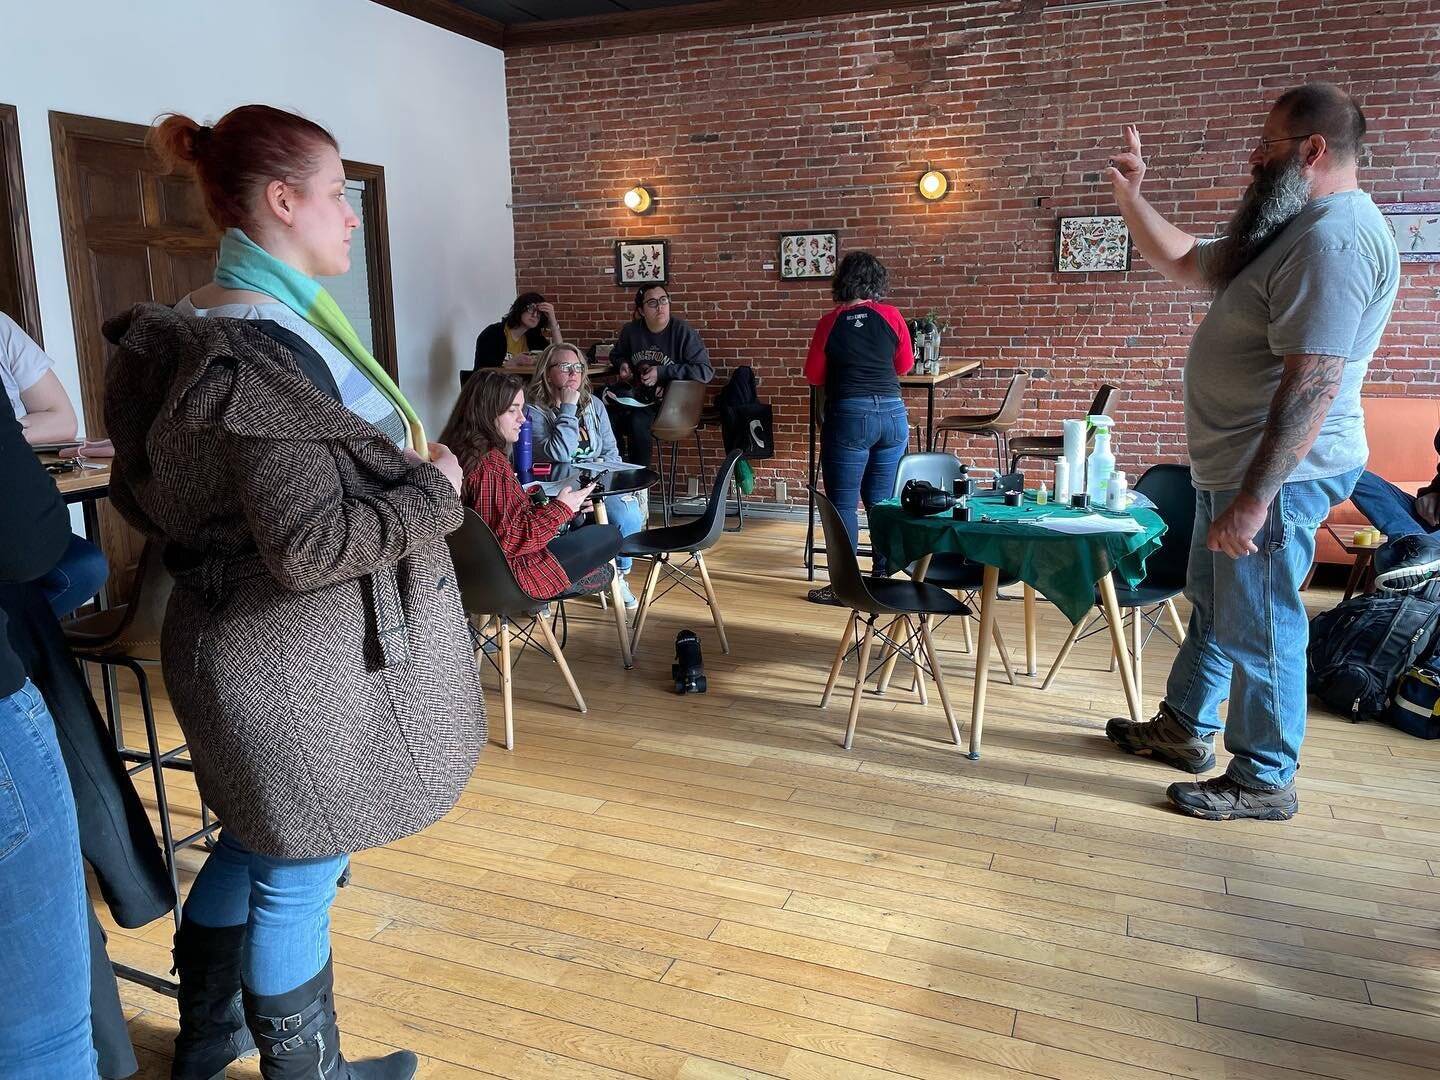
(1307, 387)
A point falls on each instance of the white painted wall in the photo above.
(426, 104)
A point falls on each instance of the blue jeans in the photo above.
(285, 904)
(861, 443)
(624, 512)
(44, 931)
(1248, 632)
(1387, 507)
(76, 578)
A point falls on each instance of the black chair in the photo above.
(949, 569)
(1052, 447)
(128, 636)
(488, 589)
(1169, 487)
(905, 601)
(693, 537)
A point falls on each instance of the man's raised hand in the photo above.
(1127, 168)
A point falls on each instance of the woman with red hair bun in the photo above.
(315, 648)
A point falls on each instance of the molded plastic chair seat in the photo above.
(677, 420)
(898, 596)
(997, 423)
(692, 537)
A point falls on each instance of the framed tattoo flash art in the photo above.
(1417, 230)
(808, 255)
(1088, 244)
(642, 262)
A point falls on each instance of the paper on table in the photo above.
(1091, 524)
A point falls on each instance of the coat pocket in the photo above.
(386, 643)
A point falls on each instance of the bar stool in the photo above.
(1053, 446)
(996, 424)
(678, 419)
(128, 636)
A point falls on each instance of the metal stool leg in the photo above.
(157, 768)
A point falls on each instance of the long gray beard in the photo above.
(1270, 203)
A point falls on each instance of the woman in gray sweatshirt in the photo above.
(568, 424)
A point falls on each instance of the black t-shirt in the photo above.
(858, 351)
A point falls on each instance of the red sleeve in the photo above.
(493, 492)
(904, 351)
(815, 358)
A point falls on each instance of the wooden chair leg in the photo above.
(929, 644)
(889, 656)
(1137, 644)
(559, 655)
(865, 643)
(965, 633)
(643, 611)
(506, 687)
(1004, 654)
(845, 639)
(1175, 619)
(1059, 662)
(714, 602)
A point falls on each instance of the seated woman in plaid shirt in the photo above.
(483, 428)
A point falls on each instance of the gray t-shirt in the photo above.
(1324, 286)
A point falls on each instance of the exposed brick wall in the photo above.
(826, 124)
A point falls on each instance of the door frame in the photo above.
(17, 236)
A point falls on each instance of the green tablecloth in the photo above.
(1062, 567)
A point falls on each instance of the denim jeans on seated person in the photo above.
(45, 974)
(1388, 508)
(76, 578)
(624, 511)
(1248, 632)
(862, 441)
(284, 902)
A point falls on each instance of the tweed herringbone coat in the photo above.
(314, 649)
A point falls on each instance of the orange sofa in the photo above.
(1401, 433)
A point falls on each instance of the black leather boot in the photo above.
(212, 1019)
(299, 1039)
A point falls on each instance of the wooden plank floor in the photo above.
(709, 886)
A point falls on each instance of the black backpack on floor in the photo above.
(1359, 650)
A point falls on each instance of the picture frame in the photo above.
(808, 256)
(1092, 243)
(642, 262)
(1416, 228)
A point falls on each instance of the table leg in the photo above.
(982, 656)
(1117, 640)
(1357, 572)
(617, 601)
(90, 515)
(810, 494)
(930, 419)
(1030, 631)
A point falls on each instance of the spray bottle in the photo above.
(1101, 462)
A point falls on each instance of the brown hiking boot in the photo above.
(1163, 738)
(1222, 799)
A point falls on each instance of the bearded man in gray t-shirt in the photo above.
(1302, 281)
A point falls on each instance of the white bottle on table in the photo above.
(1101, 462)
(1116, 491)
(1062, 481)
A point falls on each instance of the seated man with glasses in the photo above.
(651, 350)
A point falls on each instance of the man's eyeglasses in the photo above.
(657, 302)
(568, 369)
(1265, 144)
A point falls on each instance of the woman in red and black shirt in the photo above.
(482, 429)
(858, 353)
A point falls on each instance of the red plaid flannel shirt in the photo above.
(523, 530)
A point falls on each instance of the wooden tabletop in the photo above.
(951, 370)
(81, 481)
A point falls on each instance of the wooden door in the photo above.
(17, 268)
(132, 234)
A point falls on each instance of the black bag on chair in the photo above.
(747, 424)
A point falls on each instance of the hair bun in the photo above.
(179, 140)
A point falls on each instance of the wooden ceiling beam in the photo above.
(702, 16)
(452, 17)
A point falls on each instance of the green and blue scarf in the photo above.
(244, 264)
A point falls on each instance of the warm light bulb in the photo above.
(933, 185)
(637, 199)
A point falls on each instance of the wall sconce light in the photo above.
(639, 199)
(933, 185)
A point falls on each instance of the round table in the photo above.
(1064, 567)
(614, 482)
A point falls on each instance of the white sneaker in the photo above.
(625, 594)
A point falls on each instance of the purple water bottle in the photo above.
(524, 451)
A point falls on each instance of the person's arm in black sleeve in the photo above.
(490, 347)
(34, 523)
